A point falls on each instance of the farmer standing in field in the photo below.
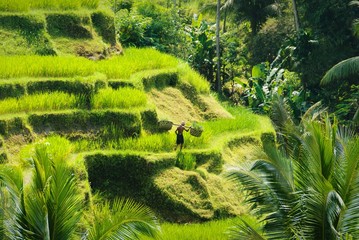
(179, 132)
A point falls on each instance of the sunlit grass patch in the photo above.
(135, 60)
(152, 143)
(197, 231)
(45, 66)
(120, 98)
(163, 142)
(118, 67)
(195, 79)
(26, 5)
(38, 102)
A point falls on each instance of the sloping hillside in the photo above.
(88, 33)
(109, 111)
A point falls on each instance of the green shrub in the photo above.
(27, 24)
(117, 5)
(149, 120)
(3, 157)
(115, 84)
(71, 25)
(3, 127)
(121, 174)
(186, 161)
(104, 24)
(13, 126)
(161, 80)
(8, 90)
(212, 161)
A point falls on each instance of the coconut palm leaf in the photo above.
(349, 188)
(123, 219)
(246, 229)
(311, 194)
(271, 192)
(49, 207)
(342, 70)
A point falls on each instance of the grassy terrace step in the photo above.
(43, 32)
(154, 179)
(119, 148)
(88, 85)
(124, 123)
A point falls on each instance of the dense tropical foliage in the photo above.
(296, 37)
(280, 58)
(43, 201)
(306, 186)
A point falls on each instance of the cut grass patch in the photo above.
(213, 230)
(118, 67)
(38, 102)
(27, 5)
(12, 43)
(172, 105)
(124, 98)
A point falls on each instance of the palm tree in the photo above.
(348, 68)
(309, 192)
(121, 219)
(255, 11)
(46, 204)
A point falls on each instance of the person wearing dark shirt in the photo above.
(179, 133)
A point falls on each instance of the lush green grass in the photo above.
(120, 98)
(163, 142)
(38, 102)
(194, 78)
(214, 230)
(134, 60)
(119, 67)
(9, 39)
(26, 5)
(45, 66)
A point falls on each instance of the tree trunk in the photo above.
(296, 19)
(218, 78)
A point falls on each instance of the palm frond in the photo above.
(342, 70)
(270, 193)
(334, 207)
(247, 229)
(50, 205)
(123, 219)
(349, 188)
(279, 113)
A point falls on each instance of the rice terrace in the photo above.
(134, 119)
